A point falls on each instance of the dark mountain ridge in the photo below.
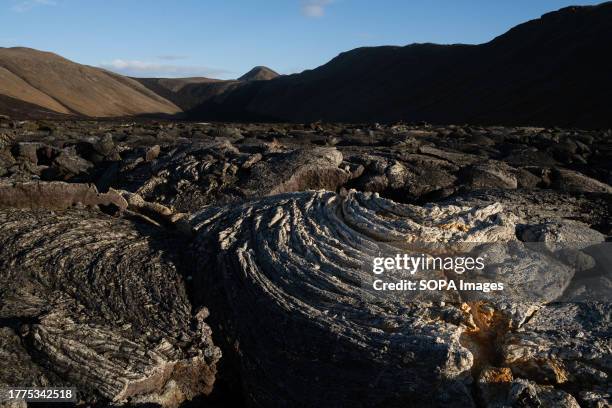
(554, 70)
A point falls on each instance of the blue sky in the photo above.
(225, 38)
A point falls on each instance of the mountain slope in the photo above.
(551, 71)
(18, 108)
(57, 84)
(188, 93)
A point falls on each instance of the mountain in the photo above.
(554, 70)
(259, 74)
(188, 93)
(34, 81)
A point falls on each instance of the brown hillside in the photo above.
(57, 84)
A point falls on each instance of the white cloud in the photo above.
(152, 69)
(314, 8)
(27, 5)
(8, 41)
(172, 57)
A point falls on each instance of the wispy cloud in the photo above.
(152, 69)
(315, 8)
(7, 41)
(27, 5)
(171, 57)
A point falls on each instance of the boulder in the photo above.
(69, 164)
(569, 180)
(27, 152)
(562, 234)
(564, 344)
(101, 303)
(56, 196)
(296, 264)
(491, 175)
(300, 170)
(499, 389)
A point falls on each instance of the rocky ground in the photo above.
(178, 263)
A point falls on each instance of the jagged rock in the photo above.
(577, 259)
(101, 303)
(396, 174)
(221, 173)
(429, 163)
(566, 344)
(406, 180)
(529, 156)
(69, 164)
(426, 181)
(154, 213)
(568, 180)
(541, 206)
(105, 146)
(498, 389)
(13, 354)
(413, 181)
(596, 399)
(152, 153)
(525, 394)
(589, 289)
(188, 177)
(230, 133)
(261, 145)
(491, 175)
(56, 196)
(526, 179)
(14, 404)
(27, 151)
(371, 175)
(493, 385)
(373, 183)
(6, 140)
(531, 278)
(460, 159)
(6, 161)
(299, 170)
(294, 264)
(562, 234)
